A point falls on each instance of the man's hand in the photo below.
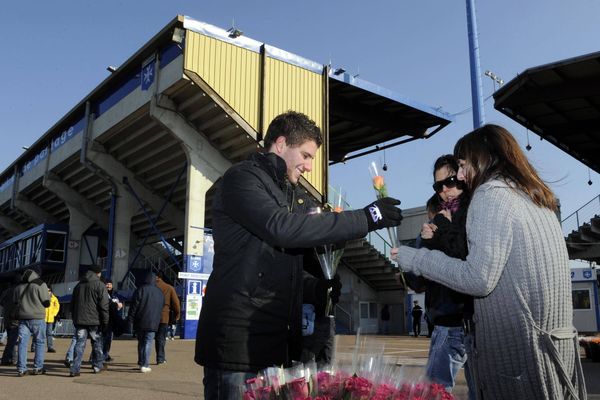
(336, 289)
(323, 287)
(383, 213)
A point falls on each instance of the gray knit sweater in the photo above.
(518, 269)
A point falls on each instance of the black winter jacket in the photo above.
(445, 306)
(89, 303)
(148, 301)
(252, 308)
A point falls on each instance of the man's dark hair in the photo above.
(296, 127)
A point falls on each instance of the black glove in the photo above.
(336, 289)
(383, 213)
(322, 289)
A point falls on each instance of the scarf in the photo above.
(451, 205)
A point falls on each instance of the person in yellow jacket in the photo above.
(51, 313)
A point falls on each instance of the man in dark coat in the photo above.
(144, 314)
(251, 313)
(11, 322)
(89, 307)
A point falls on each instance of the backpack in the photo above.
(13, 313)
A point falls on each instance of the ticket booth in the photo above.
(586, 316)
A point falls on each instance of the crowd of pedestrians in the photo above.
(30, 310)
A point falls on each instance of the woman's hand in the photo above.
(447, 214)
(428, 230)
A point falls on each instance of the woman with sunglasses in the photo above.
(445, 307)
(517, 269)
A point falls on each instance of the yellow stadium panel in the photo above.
(232, 71)
(288, 87)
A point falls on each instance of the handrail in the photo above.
(348, 316)
(580, 208)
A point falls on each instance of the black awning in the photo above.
(560, 102)
(364, 118)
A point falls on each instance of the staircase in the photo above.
(582, 231)
(155, 264)
(370, 265)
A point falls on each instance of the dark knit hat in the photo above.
(95, 268)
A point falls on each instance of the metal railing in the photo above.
(343, 317)
(64, 327)
(580, 216)
(156, 264)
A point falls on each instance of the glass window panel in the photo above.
(581, 299)
(364, 310)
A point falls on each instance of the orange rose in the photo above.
(378, 182)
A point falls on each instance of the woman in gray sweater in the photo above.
(518, 271)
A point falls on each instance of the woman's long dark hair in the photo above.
(491, 151)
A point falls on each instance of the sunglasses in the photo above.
(450, 182)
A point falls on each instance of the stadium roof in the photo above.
(560, 102)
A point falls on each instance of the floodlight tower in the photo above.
(476, 85)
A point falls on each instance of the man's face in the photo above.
(109, 286)
(298, 159)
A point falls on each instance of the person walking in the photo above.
(32, 298)
(385, 319)
(51, 313)
(518, 271)
(145, 314)
(89, 307)
(11, 322)
(416, 314)
(251, 314)
(171, 310)
(114, 320)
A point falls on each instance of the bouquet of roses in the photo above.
(366, 377)
(341, 385)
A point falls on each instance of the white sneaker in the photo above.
(145, 370)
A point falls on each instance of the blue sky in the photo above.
(54, 53)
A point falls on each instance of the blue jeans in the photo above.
(71, 350)
(50, 335)
(159, 343)
(447, 354)
(37, 329)
(82, 333)
(145, 339)
(222, 384)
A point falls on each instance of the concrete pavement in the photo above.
(181, 378)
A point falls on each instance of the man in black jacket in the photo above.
(144, 314)
(251, 314)
(89, 307)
